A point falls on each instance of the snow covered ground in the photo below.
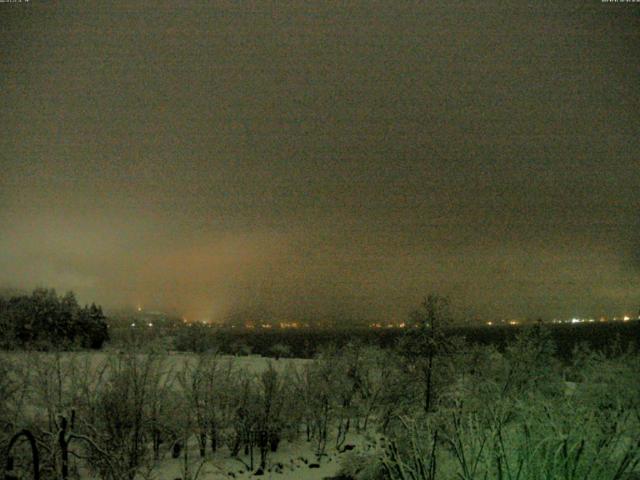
(292, 460)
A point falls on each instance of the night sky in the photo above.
(323, 159)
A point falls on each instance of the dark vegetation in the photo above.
(307, 342)
(45, 321)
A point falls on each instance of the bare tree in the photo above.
(426, 341)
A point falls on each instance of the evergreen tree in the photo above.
(44, 320)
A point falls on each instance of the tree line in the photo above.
(44, 320)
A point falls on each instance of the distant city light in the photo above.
(393, 324)
(288, 325)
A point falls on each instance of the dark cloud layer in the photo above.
(323, 158)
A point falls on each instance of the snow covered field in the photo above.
(171, 416)
(43, 376)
